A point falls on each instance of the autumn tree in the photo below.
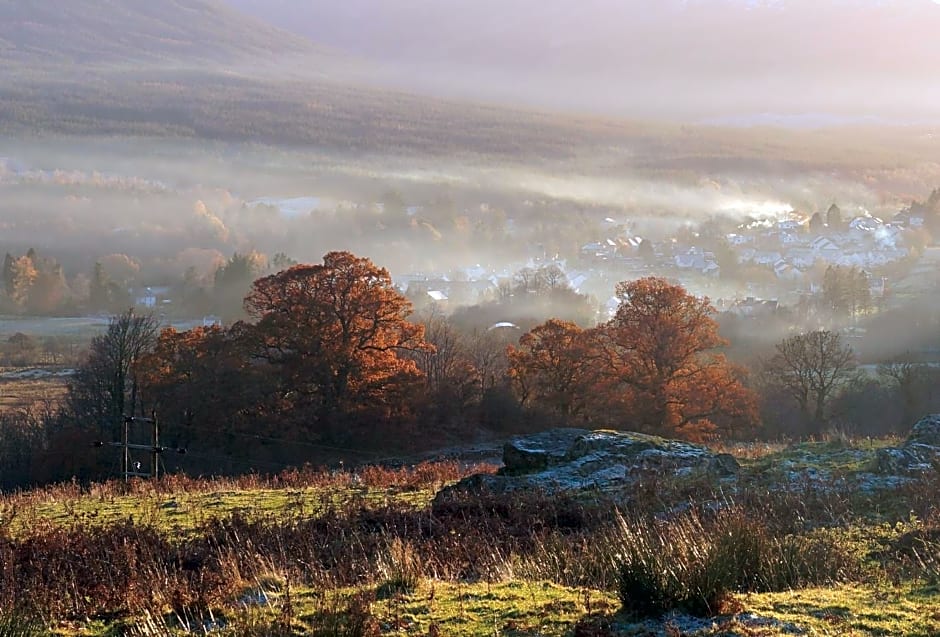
(33, 284)
(49, 290)
(335, 332)
(121, 268)
(204, 387)
(811, 368)
(24, 275)
(662, 365)
(555, 366)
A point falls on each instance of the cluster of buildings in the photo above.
(782, 259)
(789, 248)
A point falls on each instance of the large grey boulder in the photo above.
(567, 460)
(926, 432)
(539, 451)
(917, 454)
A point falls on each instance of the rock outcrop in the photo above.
(917, 454)
(566, 460)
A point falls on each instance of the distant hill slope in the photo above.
(57, 32)
(202, 70)
(182, 68)
(708, 36)
(873, 56)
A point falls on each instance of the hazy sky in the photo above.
(707, 58)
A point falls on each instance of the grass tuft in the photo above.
(696, 561)
(14, 624)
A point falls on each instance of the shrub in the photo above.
(695, 561)
(400, 567)
(673, 565)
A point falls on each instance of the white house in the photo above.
(825, 248)
(801, 257)
(764, 257)
(149, 297)
(784, 270)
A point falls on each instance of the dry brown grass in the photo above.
(747, 450)
(27, 394)
(425, 475)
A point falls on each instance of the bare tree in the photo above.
(528, 280)
(450, 376)
(440, 362)
(105, 387)
(912, 381)
(487, 352)
(811, 368)
(553, 276)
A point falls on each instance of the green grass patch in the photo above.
(530, 608)
(518, 608)
(853, 610)
(832, 458)
(184, 512)
(482, 610)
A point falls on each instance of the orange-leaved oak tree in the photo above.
(202, 384)
(335, 334)
(555, 367)
(662, 367)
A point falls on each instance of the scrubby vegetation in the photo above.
(372, 553)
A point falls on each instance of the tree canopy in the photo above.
(663, 367)
(334, 333)
(556, 367)
(653, 367)
(811, 367)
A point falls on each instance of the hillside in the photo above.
(198, 69)
(86, 32)
(613, 35)
(702, 57)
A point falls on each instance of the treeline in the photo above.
(37, 285)
(331, 364)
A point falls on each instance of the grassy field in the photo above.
(371, 553)
(39, 327)
(17, 394)
(184, 512)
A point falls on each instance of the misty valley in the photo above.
(442, 318)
